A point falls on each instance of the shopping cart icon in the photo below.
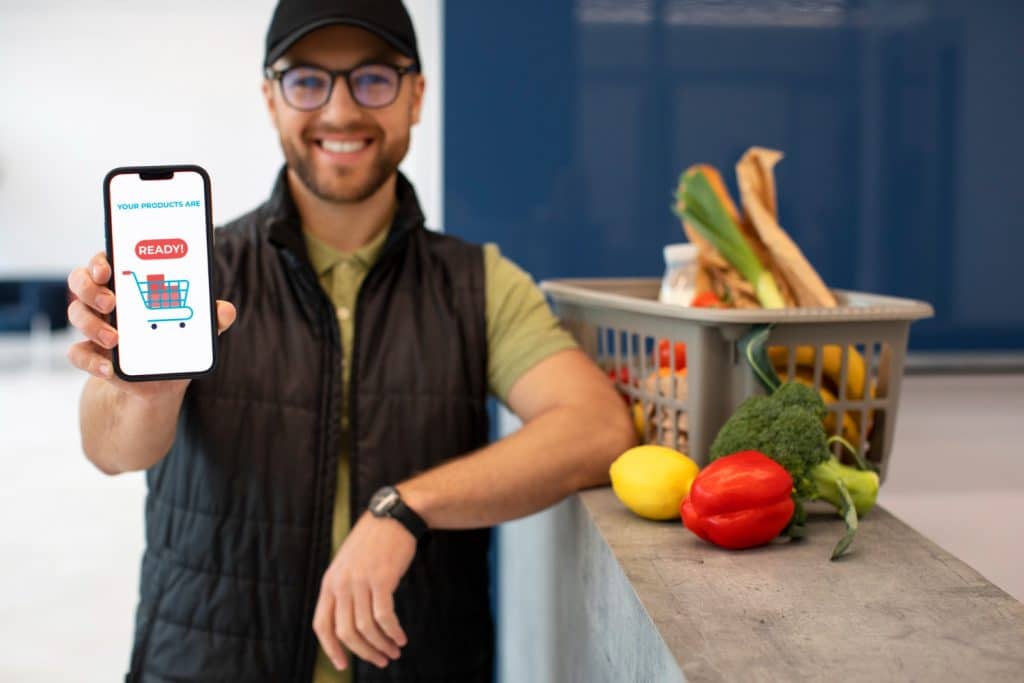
(165, 296)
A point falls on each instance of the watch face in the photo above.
(383, 501)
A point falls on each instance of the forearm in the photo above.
(122, 432)
(559, 452)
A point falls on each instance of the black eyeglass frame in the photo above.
(279, 74)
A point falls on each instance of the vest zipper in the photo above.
(323, 501)
(353, 478)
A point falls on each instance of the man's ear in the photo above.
(419, 85)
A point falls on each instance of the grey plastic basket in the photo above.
(862, 343)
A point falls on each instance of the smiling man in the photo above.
(319, 507)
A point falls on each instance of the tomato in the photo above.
(620, 377)
(664, 361)
(706, 300)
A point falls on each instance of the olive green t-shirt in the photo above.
(521, 332)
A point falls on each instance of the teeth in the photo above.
(343, 146)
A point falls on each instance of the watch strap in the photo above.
(408, 518)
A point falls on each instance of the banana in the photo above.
(831, 366)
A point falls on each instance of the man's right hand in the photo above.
(87, 313)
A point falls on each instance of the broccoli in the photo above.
(796, 394)
(787, 427)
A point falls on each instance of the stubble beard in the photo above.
(384, 165)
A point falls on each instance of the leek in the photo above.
(698, 204)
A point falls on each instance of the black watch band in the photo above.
(387, 502)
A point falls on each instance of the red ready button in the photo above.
(161, 249)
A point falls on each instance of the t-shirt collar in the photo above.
(324, 257)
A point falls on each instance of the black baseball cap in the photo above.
(294, 19)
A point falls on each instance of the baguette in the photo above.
(789, 266)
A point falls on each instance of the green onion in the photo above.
(697, 203)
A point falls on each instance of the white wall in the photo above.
(425, 163)
(94, 84)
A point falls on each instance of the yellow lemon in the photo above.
(653, 480)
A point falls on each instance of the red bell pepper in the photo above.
(739, 501)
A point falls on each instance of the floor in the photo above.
(72, 538)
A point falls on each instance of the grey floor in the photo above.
(72, 538)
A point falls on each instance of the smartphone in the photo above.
(160, 248)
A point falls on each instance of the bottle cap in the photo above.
(680, 252)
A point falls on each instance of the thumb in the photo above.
(226, 314)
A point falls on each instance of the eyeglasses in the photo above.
(306, 87)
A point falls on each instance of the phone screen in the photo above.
(158, 244)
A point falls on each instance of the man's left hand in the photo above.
(356, 607)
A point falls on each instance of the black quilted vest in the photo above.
(238, 515)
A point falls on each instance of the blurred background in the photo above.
(558, 130)
(899, 120)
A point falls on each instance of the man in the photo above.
(329, 489)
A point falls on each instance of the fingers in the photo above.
(384, 615)
(91, 325)
(94, 296)
(226, 315)
(99, 268)
(347, 632)
(366, 624)
(92, 299)
(323, 626)
(84, 313)
(87, 356)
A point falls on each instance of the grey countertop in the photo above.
(896, 607)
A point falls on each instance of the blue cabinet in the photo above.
(567, 125)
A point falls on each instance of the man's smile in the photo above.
(344, 150)
(343, 146)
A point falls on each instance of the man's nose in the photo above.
(341, 107)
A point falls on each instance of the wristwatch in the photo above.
(387, 502)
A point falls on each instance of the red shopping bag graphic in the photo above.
(163, 294)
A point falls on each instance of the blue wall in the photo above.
(567, 125)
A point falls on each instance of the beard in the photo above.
(342, 185)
